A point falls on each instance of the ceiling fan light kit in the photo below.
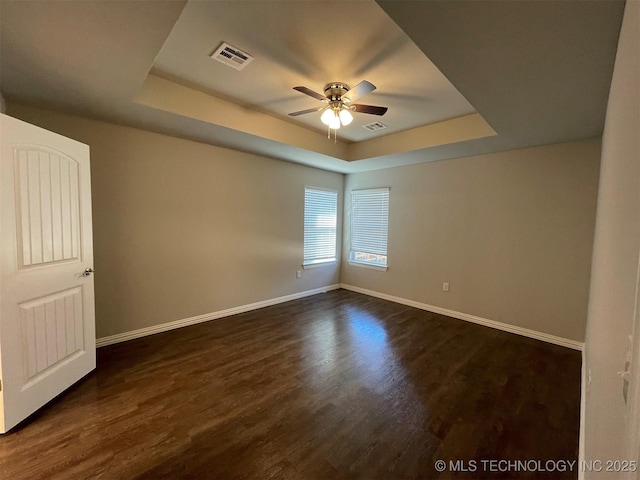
(345, 117)
(336, 115)
(338, 98)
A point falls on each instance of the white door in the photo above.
(47, 330)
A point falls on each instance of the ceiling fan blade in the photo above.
(308, 110)
(360, 90)
(311, 93)
(371, 109)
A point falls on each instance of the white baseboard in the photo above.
(185, 322)
(545, 337)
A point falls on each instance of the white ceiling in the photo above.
(310, 44)
(538, 72)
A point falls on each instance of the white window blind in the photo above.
(320, 218)
(369, 226)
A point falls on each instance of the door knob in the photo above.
(88, 271)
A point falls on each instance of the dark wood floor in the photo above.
(339, 385)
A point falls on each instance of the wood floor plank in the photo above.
(338, 385)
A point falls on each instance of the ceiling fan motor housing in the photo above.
(335, 90)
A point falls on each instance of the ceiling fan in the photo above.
(338, 98)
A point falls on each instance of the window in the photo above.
(369, 226)
(320, 218)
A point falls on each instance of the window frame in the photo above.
(311, 262)
(375, 244)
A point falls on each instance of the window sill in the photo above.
(366, 265)
(309, 266)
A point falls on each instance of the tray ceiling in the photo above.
(459, 78)
(310, 44)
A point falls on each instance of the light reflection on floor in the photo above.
(323, 346)
(369, 360)
(373, 357)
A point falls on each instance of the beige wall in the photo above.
(615, 259)
(511, 232)
(183, 229)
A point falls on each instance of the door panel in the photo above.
(48, 205)
(47, 330)
(52, 330)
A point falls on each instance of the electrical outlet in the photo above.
(298, 273)
(445, 287)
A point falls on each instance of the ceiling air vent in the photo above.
(375, 126)
(231, 56)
